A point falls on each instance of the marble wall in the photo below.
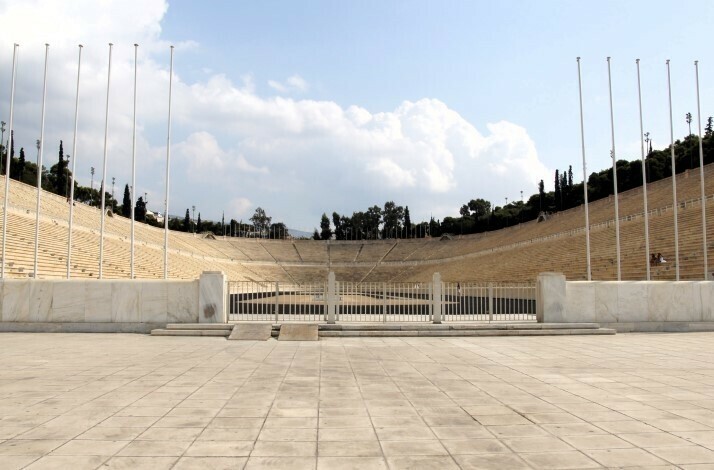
(631, 302)
(95, 301)
(639, 301)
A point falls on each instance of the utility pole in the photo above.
(193, 218)
(92, 183)
(113, 179)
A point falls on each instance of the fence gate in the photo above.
(489, 301)
(381, 301)
(276, 301)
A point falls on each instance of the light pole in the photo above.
(688, 118)
(38, 144)
(113, 179)
(91, 186)
(647, 149)
(193, 217)
(66, 174)
(2, 137)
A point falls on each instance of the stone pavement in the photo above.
(132, 401)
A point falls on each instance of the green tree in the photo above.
(187, 221)
(392, 216)
(316, 235)
(407, 222)
(325, 232)
(126, 202)
(339, 227)
(558, 194)
(60, 175)
(21, 165)
(708, 127)
(479, 207)
(140, 210)
(261, 221)
(541, 195)
(199, 224)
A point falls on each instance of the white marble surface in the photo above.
(154, 301)
(550, 298)
(706, 293)
(101, 301)
(15, 299)
(40, 301)
(68, 300)
(126, 299)
(182, 302)
(98, 305)
(640, 301)
(212, 298)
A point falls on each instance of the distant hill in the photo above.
(299, 233)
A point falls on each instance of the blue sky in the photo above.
(323, 106)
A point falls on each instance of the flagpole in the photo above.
(133, 168)
(674, 178)
(104, 167)
(585, 176)
(39, 162)
(644, 176)
(8, 160)
(74, 165)
(168, 166)
(701, 178)
(614, 173)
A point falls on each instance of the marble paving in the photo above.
(134, 401)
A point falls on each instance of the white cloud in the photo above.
(293, 84)
(234, 148)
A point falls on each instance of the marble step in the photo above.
(199, 326)
(465, 332)
(456, 326)
(186, 332)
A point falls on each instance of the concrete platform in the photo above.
(73, 401)
(251, 332)
(298, 332)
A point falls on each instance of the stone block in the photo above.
(98, 307)
(251, 332)
(68, 301)
(212, 298)
(154, 301)
(182, 302)
(550, 298)
(15, 299)
(126, 299)
(298, 332)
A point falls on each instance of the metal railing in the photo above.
(276, 301)
(381, 301)
(489, 301)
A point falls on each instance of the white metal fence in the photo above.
(381, 302)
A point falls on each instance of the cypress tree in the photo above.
(126, 202)
(187, 222)
(199, 224)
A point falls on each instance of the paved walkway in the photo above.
(131, 401)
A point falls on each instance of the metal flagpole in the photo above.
(585, 176)
(133, 169)
(74, 165)
(614, 173)
(39, 162)
(104, 168)
(8, 159)
(674, 178)
(168, 166)
(644, 176)
(701, 178)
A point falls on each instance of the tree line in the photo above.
(479, 215)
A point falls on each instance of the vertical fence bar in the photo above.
(490, 301)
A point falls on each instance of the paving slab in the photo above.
(251, 332)
(298, 332)
(132, 401)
